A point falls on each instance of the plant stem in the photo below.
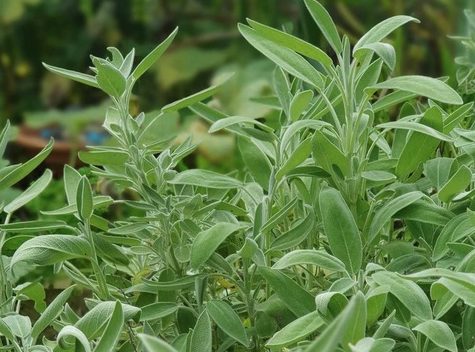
(101, 279)
(6, 292)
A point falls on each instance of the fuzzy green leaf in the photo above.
(153, 56)
(195, 98)
(73, 75)
(296, 44)
(287, 59)
(30, 193)
(439, 333)
(21, 171)
(110, 79)
(298, 300)
(201, 337)
(228, 321)
(154, 344)
(111, 334)
(382, 30)
(456, 184)
(205, 178)
(207, 241)
(384, 50)
(318, 258)
(385, 213)
(51, 249)
(348, 326)
(341, 229)
(295, 331)
(256, 161)
(324, 21)
(407, 292)
(92, 324)
(158, 310)
(51, 313)
(71, 331)
(34, 226)
(424, 86)
(234, 120)
(84, 199)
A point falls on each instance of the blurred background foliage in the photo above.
(64, 32)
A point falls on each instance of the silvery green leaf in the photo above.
(30, 193)
(154, 344)
(111, 335)
(84, 199)
(51, 313)
(439, 333)
(153, 56)
(322, 18)
(201, 337)
(73, 75)
(207, 241)
(51, 249)
(20, 171)
(227, 319)
(287, 59)
(71, 331)
(424, 86)
(382, 30)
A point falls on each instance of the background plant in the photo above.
(37, 99)
(346, 231)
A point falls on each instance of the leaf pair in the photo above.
(109, 78)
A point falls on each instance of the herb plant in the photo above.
(348, 231)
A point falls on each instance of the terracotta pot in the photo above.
(30, 141)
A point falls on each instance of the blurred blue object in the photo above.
(51, 132)
(95, 137)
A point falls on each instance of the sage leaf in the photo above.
(347, 326)
(456, 184)
(407, 292)
(110, 79)
(290, 61)
(382, 30)
(207, 241)
(205, 178)
(154, 344)
(296, 44)
(84, 199)
(384, 50)
(323, 20)
(21, 171)
(73, 75)
(71, 331)
(295, 331)
(234, 120)
(439, 333)
(158, 310)
(319, 258)
(92, 324)
(51, 312)
(228, 321)
(295, 297)
(19, 325)
(153, 56)
(424, 86)
(341, 229)
(195, 98)
(201, 338)
(385, 213)
(110, 337)
(256, 161)
(51, 249)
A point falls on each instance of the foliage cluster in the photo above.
(345, 231)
